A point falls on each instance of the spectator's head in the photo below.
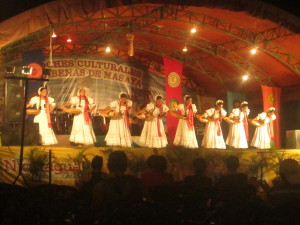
(200, 166)
(151, 161)
(160, 164)
(289, 170)
(117, 162)
(232, 163)
(97, 163)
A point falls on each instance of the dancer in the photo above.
(82, 130)
(153, 133)
(238, 132)
(119, 127)
(45, 105)
(264, 133)
(185, 134)
(213, 137)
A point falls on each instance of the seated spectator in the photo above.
(199, 180)
(95, 176)
(284, 198)
(157, 174)
(119, 190)
(86, 191)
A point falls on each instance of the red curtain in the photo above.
(173, 72)
(271, 98)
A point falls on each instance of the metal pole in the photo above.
(50, 166)
(22, 134)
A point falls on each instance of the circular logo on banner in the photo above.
(173, 102)
(271, 99)
(36, 70)
(173, 79)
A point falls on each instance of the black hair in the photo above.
(200, 165)
(187, 97)
(244, 105)
(232, 162)
(124, 95)
(42, 88)
(271, 110)
(158, 97)
(97, 163)
(117, 162)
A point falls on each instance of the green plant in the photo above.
(37, 159)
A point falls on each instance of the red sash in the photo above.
(245, 122)
(158, 118)
(47, 110)
(190, 117)
(126, 115)
(217, 123)
(86, 114)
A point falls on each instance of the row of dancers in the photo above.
(153, 134)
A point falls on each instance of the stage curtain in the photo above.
(271, 98)
(173, 72)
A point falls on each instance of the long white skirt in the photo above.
(184, 136)
(118, 134)
(237, 136)
(211, 139)
(150, 137)
(47, 136)
(261, 138)
(82, 133)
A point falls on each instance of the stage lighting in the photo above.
(69, 40)
(53, 34)
(46, 72)
(253, 51)
(193, 30)
(245, 77)
(107, 49)
(184, 49)
(10, 69)
(26, 70)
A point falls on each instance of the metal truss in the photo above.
(139, 18)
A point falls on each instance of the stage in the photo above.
(69, 165)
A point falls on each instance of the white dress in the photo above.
(119, 133)
(185, 136)
(211, 139)
(150, 135)
(47, 136)
(261, 138)
(237, 134)
(82, 132)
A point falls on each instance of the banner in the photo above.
(205, 103)
(232, 97)
(271, 98)
(173, 72)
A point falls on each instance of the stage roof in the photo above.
(218, 53)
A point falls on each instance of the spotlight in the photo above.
(193, 30)
(107, 49)
(53, 34)
(184, 49)
(253, 51)
(10, 69)
(69, 40)
(46, 72)
(245, 77)
(26, 70)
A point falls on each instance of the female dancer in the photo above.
(213, 137)
(45, 105)
(264, 133)
(82, 130)
(153, 133)
(238, 132)
(185, 134)
(119, 127)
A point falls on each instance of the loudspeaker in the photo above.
(14, 100)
